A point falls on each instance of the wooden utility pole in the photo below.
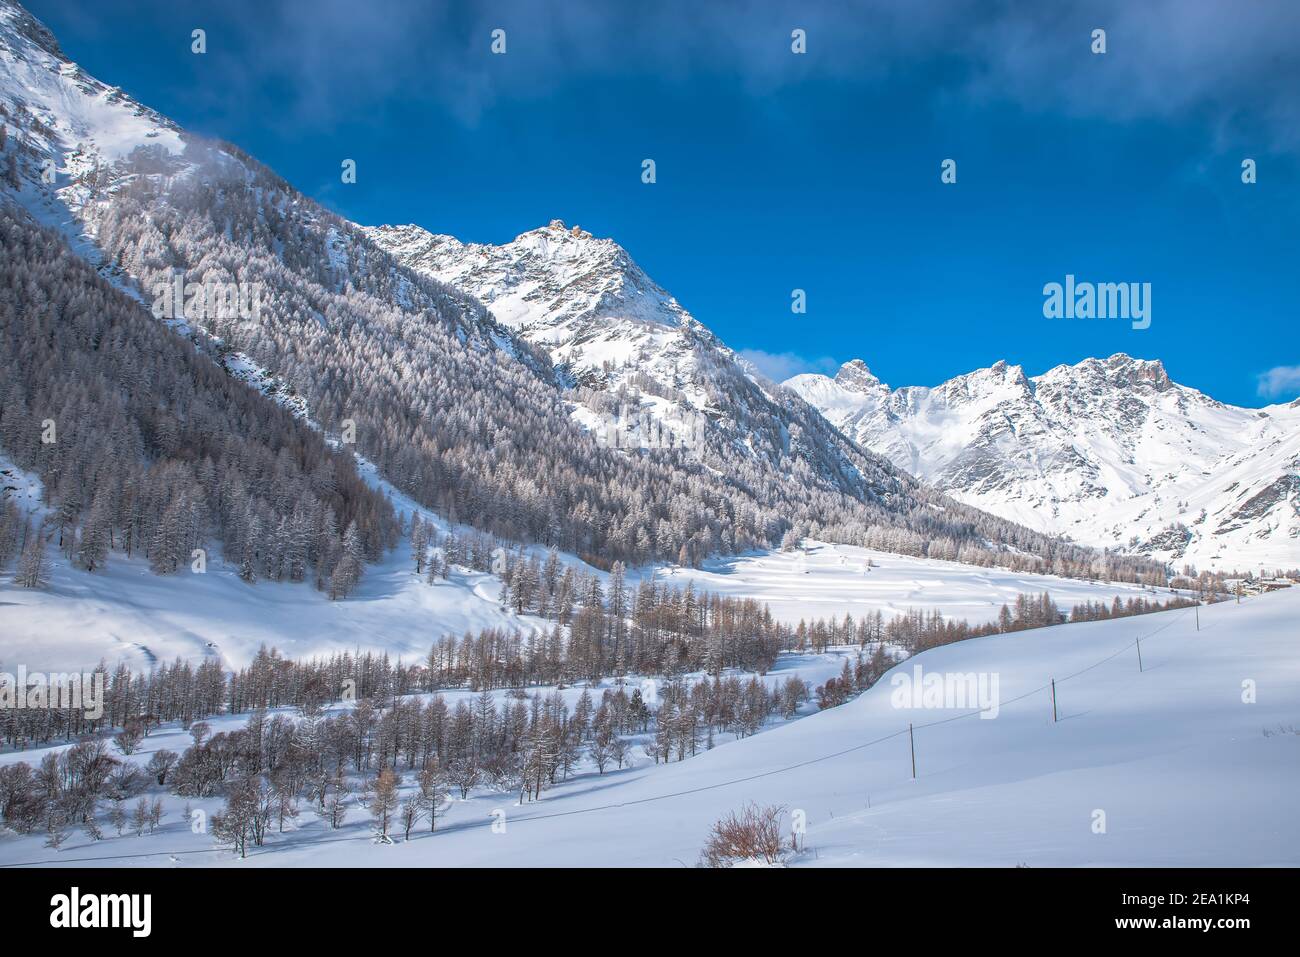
(1053, 700)
(1139, 647)
(912, 739)
(1198, 614)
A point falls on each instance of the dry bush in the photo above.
(752, 835)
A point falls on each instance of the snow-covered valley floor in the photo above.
(1194, 760)
(126, 613)
(829, 581)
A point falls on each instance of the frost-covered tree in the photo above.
(33, 566)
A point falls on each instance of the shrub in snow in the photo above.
(751, 837)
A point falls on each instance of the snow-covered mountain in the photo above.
(583, 298)
(644, 369)
(603, 321)
(651, 439)
(73, 106)
(1109, 451)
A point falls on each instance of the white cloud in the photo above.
(779, 366)
(1279, 382)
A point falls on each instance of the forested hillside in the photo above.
(148, 447)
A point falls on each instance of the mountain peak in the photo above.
(404, 230)
(856, 377)
(86, 122)
(28, 26)
(557, 229)
(1124, 359)
(1120, 371)
(1006, 370)
(581, 298)
(1125, 370)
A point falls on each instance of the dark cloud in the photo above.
(1235, 68)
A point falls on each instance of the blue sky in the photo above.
(818, 171)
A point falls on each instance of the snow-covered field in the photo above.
(824, 581)
(126, 613)
(1173, 765)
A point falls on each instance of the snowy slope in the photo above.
(95, 122)
(1185, 772)
(582, 297)
(21, 487)
(1161, 752)
(82, 126)
(72, 131)
(74, 106)
(140, 618)
(1110, 452)
(588, 304)
(650, 373)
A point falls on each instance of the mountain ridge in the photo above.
(1111, 452)
(649, 441)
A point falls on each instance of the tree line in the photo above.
(397, 757)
